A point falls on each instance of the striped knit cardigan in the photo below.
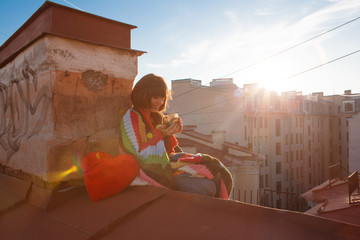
(152, 152)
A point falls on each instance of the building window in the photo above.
(245, 133)
(277, 104)
(309, 145)
(278, 167)
(260, 122)
(309, 161)
(297, 138)
(277, 127)
(297, 172)
(254, 122)
(261, 181)
(301, 138)
(309, 130)
(266, 160)
(287, 175)
(266, 180)
(330, 125)
(278, 149)
(278, 186)
(297, 155)
(310, 178)
(349, 106)
(286, 157)
(286, 139)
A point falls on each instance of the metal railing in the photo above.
(275, 199)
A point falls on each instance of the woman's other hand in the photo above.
(174, 128)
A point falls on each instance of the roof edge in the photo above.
(15, 54)
(45, 6)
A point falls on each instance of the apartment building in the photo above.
(350, 130)
(300, 136)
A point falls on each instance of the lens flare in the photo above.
(60, 175)
(75, 168)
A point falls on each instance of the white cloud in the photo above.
(154, 65)
(245, 44)
(263, 12)
(231, 15)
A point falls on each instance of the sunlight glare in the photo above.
(60, 175)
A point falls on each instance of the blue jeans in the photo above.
(187, 183)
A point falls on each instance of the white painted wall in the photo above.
(354, 143)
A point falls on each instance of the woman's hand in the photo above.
(174, 128)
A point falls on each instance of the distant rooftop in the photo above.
(332, 202)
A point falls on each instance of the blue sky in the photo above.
(209, 39)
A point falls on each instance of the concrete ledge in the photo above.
(13, 192)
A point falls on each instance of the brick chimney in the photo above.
(347, 92)
(218, 138)
(65, 77)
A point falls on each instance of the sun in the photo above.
(274, 76)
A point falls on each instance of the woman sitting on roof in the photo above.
(146, 135)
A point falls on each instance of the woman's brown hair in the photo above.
(147, 87)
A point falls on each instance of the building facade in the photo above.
(350, 130)
(300, 136)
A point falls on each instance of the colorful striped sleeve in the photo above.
(148, 148)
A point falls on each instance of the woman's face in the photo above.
(156, 103)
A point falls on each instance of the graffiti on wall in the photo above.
(23, 111)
